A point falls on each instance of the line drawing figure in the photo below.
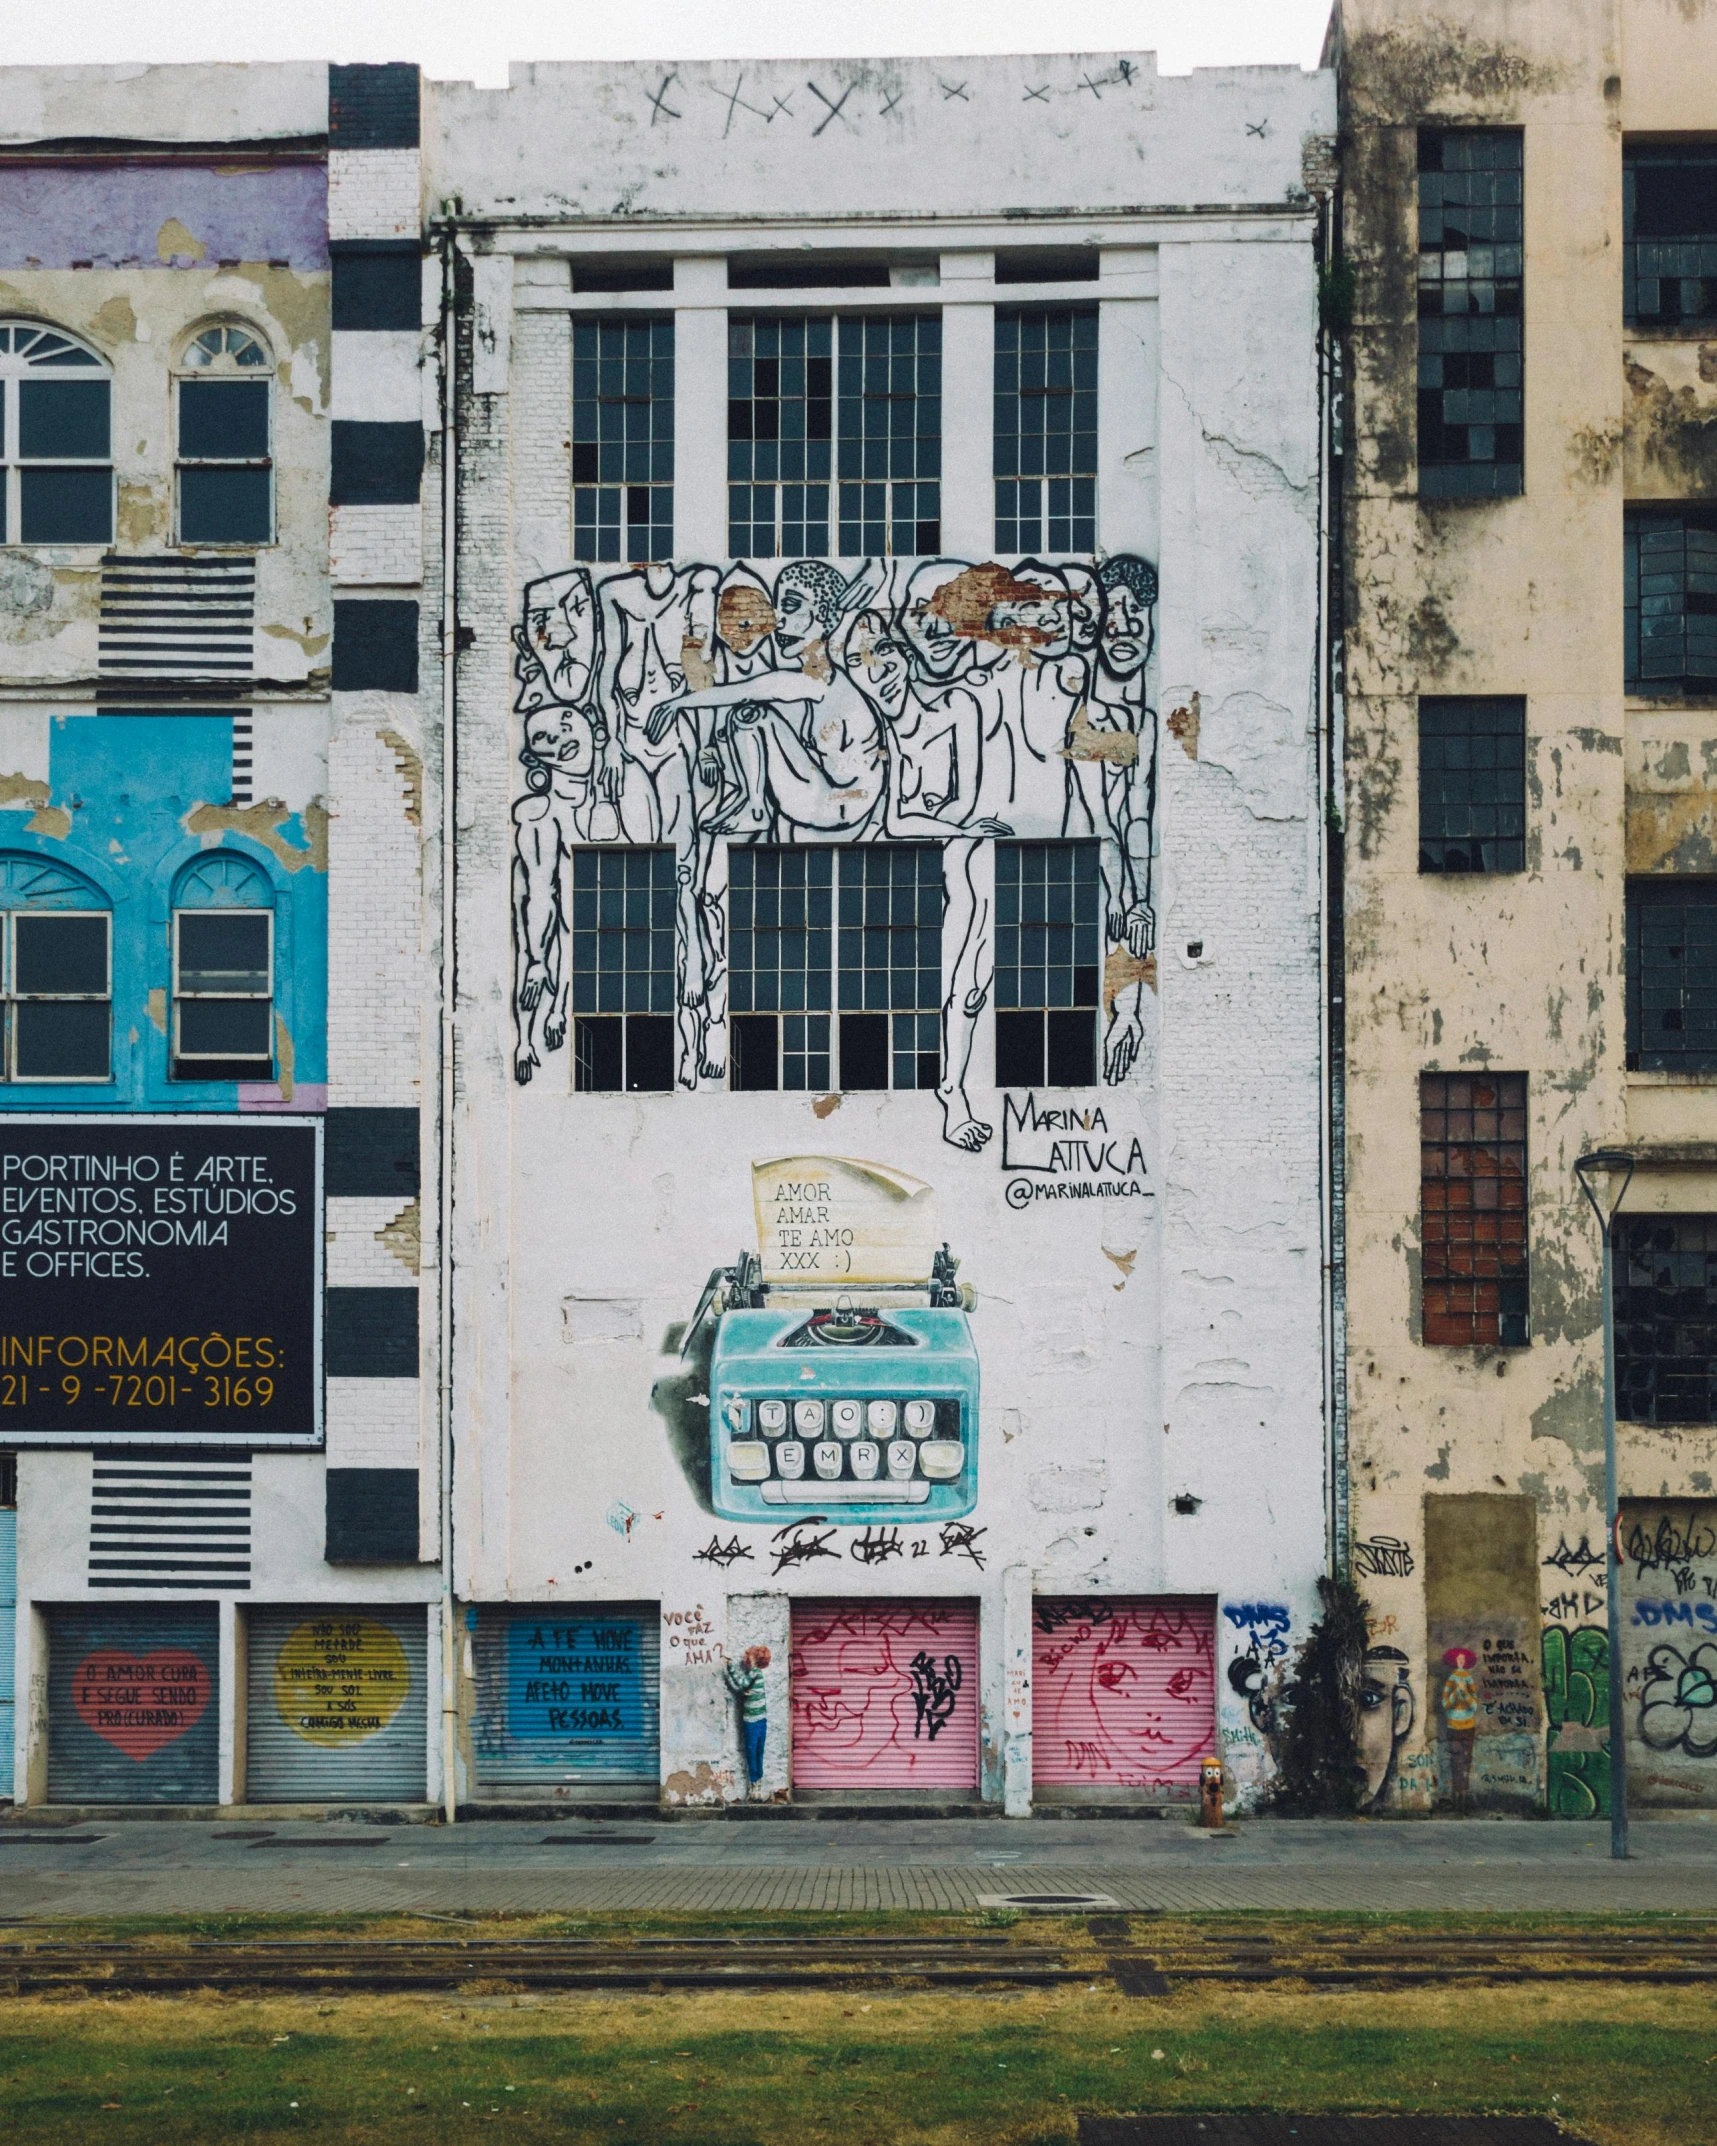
(695, 705)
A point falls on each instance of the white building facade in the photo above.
(887, 1216)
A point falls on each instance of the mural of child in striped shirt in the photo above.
(746, 1684)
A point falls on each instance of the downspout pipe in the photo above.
(448, 982)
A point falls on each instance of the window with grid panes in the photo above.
(1672, 975)
(836, 967)
(1472, 785)
(1472, 1184)
(1470, 321)
(56, 439)
(780, 435)
(623, 969)
(1669, 234)
(1666, 1318)
(56, 994)
(623, 439)
(1049, 960)
(1046, 429)
(889, 434)
(1669, 600)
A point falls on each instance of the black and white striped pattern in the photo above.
(164, 620)
(166, 1520)
(244, 750)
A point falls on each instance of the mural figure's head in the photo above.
(1129, 614)
(938, 647)
(744, 615)
(1385, 1718)
(758, 1657)
(1085, 611)
(558, 741)
(885, 661)
(1041, 622)
(807, 604)
(562, 639)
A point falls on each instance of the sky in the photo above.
(473, 40)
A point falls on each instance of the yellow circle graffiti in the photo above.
(340, 1680)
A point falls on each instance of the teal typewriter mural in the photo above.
(843, 1376)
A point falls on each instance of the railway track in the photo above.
(1116, 1949)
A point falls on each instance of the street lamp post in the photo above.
(1611, 1164)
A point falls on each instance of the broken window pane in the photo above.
(1472, 1183)
(1669, 600)
(1048, 964)
(1669, 228)
(1472, 784)
(1666, 1318)
(622, 983)
(1672, 975)
(1470, 351)
(780, 422)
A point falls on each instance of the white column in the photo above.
(968, 401)
(1128, 456)
(700, 407)
(230, 1786)
(1016, 1691)
(30, 1750)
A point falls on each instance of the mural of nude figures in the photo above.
(802, 701)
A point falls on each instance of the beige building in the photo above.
(1530, 599)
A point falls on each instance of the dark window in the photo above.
(1672, 975)
(223, 994)
(1669, 600)
(623, 970)
(371, 1151)
(889, 423)
(1472, 1183)
(1666, 1318)
(621, 272)
(373, 107)
(780, 425)
(623, 439)
(1669, 229)
(1472, 785)
(815, 271)
(1048, 964)
(1046, 264)
(374, 463)
(1046, 430)
(55, 994)
(370, 1333)
(372, 1516)
(1470, 314)
(226, 495)
(375, 646)
(376, 283)
(837, 967)
(56, 475)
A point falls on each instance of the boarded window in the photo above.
(1472, 1133)
(56, 447)
(1665, 1279)
(1472, 784)
(1470, 354)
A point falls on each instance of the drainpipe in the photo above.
(448, 984)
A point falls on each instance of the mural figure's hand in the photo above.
(612, 781)
(1123, 1048)
(1141, 930)
(532, 985)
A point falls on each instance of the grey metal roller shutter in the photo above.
(567, 1694)
(133, 1704)
(338, 1705)
(8, 1638)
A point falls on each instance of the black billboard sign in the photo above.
(160, 1279)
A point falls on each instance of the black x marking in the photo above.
(952, 89)
(834, 110)
(736, 103)
(1085, 82)
(1260, 130)
(1125, 69)
(889, 103)
(781, 105)
(1036, 96)
(659, 107)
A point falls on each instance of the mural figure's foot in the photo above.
(959, 1128)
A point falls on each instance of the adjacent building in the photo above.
(1530, 227)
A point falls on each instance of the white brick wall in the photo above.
(376, 372)
(357, 1258)
(376, 546)
(373, 193)
(376, 958)
(373, 1423)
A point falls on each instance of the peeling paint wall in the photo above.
(1525, 972)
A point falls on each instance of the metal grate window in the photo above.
(623, 969)
(1672, 975)
(1669, 232)
(1472, 785)
(1666, 1318)
(1048, 964)
(1472, 1184)
(1046, 430)
(780, 427)
(1470, 182)
(889, 418)
(837, 967)
(1669, 600)
(623, 439)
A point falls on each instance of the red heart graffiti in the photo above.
(139, 1702)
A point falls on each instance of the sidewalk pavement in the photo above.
(105, 1867)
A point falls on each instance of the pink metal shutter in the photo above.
(1123, 1690)
(885, 1695)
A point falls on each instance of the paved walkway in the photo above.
(132, 1867)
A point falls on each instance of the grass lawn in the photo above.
(1623, 2067)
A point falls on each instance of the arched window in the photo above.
(226, 475)
(56, 973)
(56, 439)
(223, 970)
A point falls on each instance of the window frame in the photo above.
(1645, 155)
(1087, 1015)
(185, 374)
(1497, 295)
(851, 517)
(1451, 1260)
(262, 1068)
(1018, 533)
(658, 448)
(1642, 894)
(1511, 847)
(17, 372)
(624, 1033)
(1637, 1368)
(11, 998)
(1638, 521)
(744, 446)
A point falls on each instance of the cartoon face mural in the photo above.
(1385, 1720)
(805, 702)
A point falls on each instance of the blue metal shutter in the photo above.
(567, 1694)
(134, 1705)
(8, 1638)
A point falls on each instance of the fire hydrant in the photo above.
(1210, 1794)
